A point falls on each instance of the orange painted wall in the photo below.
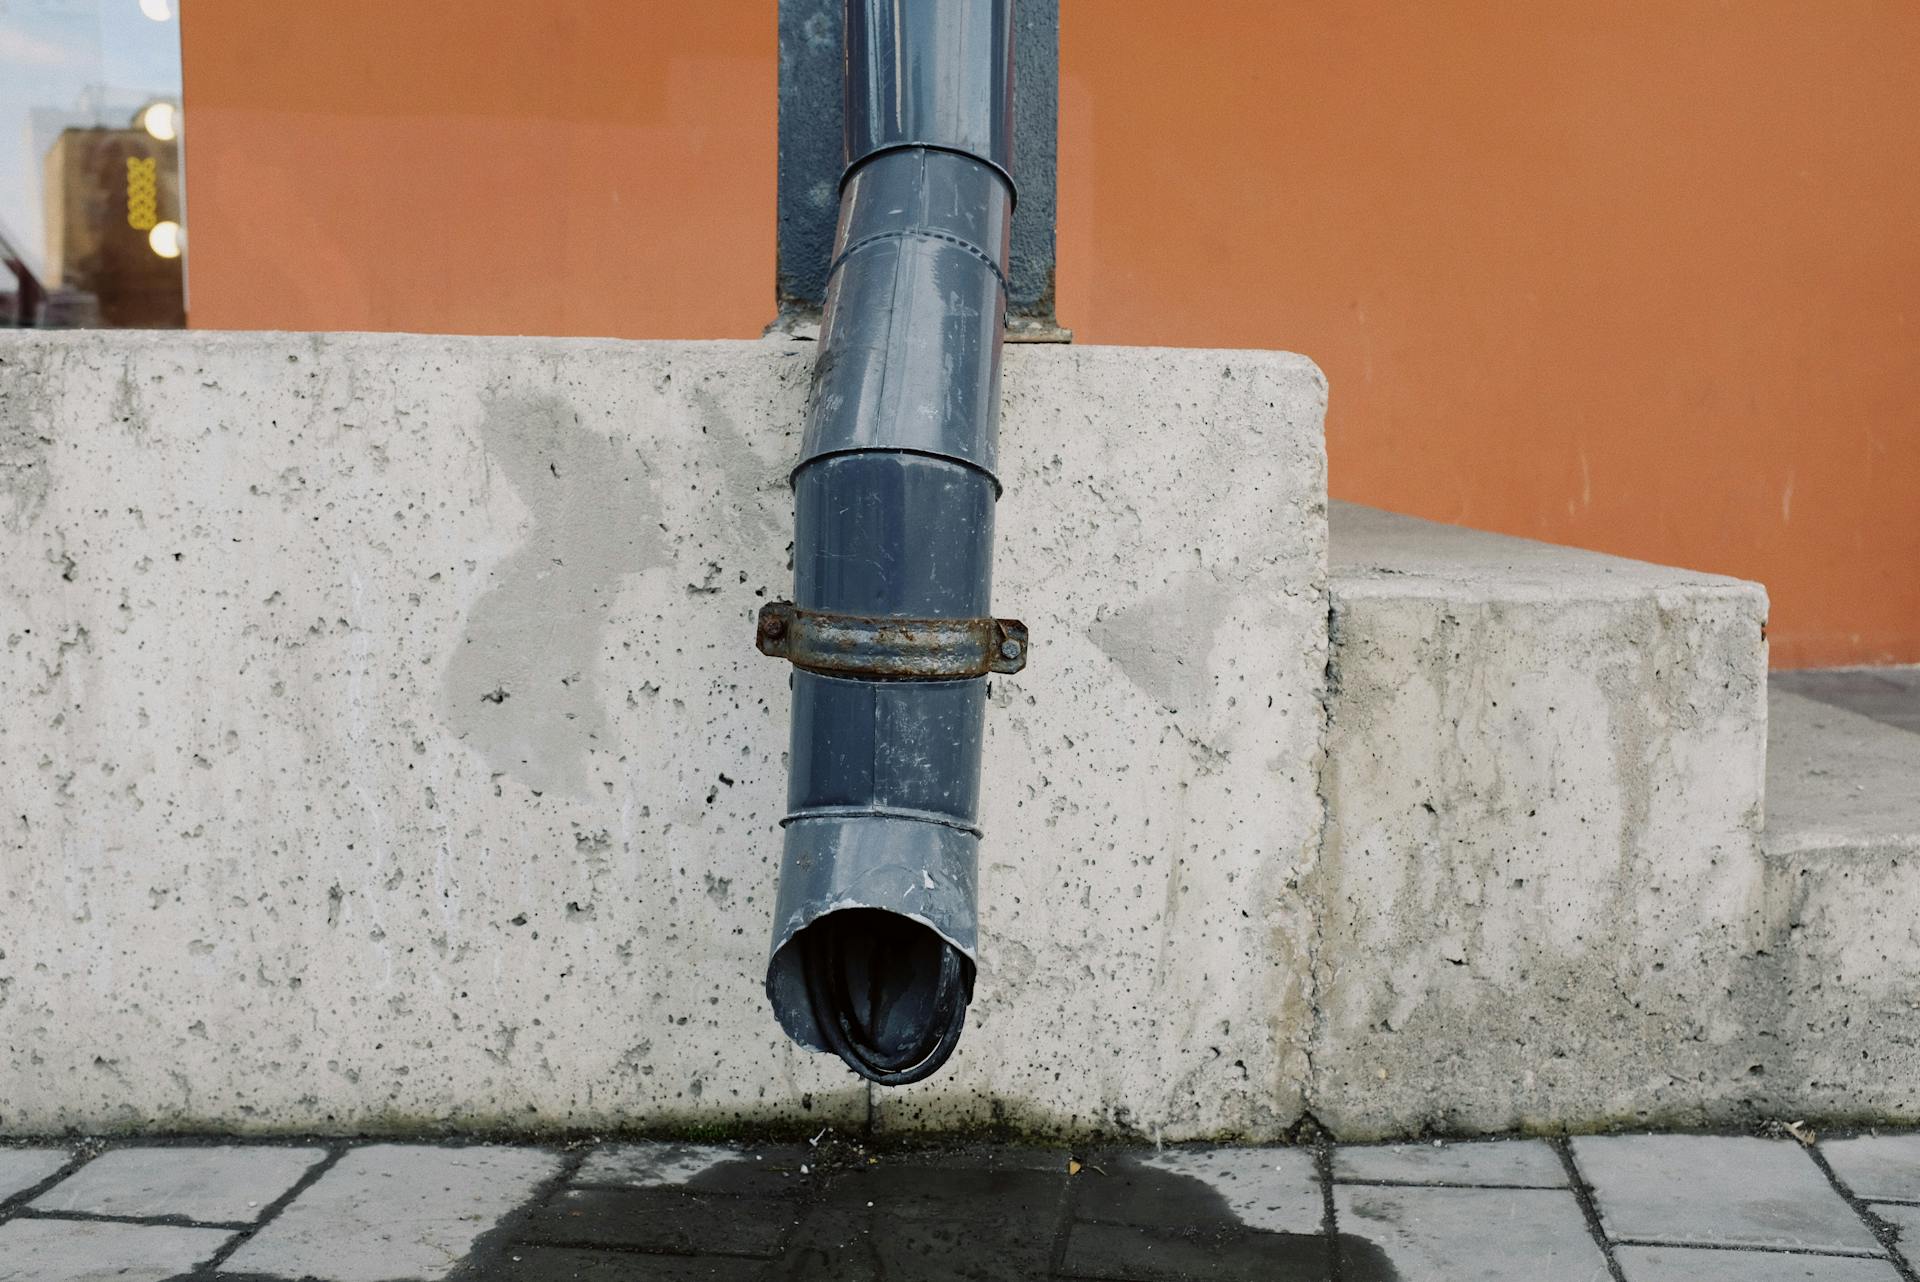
(598, 167)
(1637, 275)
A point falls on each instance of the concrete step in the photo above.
(1538, 892)
(1842, 850)
(386, 747)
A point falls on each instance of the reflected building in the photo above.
(113, 242)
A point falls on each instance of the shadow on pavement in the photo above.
(979, 1216)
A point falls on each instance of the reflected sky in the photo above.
(71, 62)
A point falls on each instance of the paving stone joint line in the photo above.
(1589, 1209)
(1883, 1232)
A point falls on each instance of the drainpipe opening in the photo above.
(887, 994)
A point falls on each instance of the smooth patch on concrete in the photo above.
(1677, 1264)
(394, 750)
(93, 1251)
(1717, 1191)
(395, 1211)
(219, 1184)
(1538, 881)
(1506, 1163)
(22, 1168)
(1491, 1235)
(1877, 1167)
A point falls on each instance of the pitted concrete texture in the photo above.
(1540, 875)
(386, 746)
(1149, 792)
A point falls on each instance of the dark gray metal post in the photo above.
(889, 630)
(812, 159)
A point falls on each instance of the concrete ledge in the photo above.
(1838, 782)
(1840, 956)
(1543, 778)
(387, 749)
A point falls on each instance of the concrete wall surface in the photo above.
(384, 749)
(1540, 898)
(384, 745)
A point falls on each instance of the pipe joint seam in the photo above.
(923, 233)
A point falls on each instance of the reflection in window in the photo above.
(92, 214)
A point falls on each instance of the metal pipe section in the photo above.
(890, 631)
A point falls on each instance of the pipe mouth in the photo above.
(888, 994)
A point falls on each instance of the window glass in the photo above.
(92, 217)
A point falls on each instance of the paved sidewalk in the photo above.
(1652, 1208)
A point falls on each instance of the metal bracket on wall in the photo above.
(812, 159)
(886, 649)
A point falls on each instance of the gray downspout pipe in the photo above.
(889, 631)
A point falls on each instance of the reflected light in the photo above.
(158, 10)
(162, 121)
(166, 239)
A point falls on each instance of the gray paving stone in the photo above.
(846, 1239)
(93, 1251)
(1713, 1190)
(1275, 1190)
(1906, 1219)
(222, 1184)
(566, 1264)
(1490, 1235)
(716, 1168)
(1508, 1163)
(395, 1211)
(669, 1220)
(22, 1168)
(1878, 1167)
(1691, 1264)
(1192, 1255)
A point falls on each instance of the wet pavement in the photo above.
(1647, 1208)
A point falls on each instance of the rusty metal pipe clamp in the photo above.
(883, 649)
